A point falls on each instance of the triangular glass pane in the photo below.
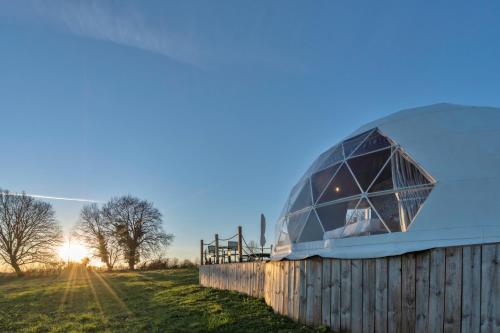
(410, 203)
(406, 173)
(351, 144)
(296, 223)
(333, 155)
(284, 210)
(320, 179)
(335, 216)
(387, 206)
(281, 232)
(373, 142)
(364, 221)
(303, 198)
(313, 168)
(283, 239)
(312, 230)
(366, 167)
(384, 180)
(341, 186)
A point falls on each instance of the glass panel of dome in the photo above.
(284, 210)
(341, 186)
(351, 144)
(296, 223)
(364, 221)
(374, 142)
(282, 233)
(333, 155)
(312, 230)
(336, 215)
(406, 173)
(383, 181)
(387, 206)
(366, 167)
(320, 179)
(283, 239)
(303, 198)
(410, 202)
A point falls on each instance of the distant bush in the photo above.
(47, 269)
(169, 263)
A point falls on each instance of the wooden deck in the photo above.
(455, 289)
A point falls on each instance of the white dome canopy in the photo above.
(417, 179)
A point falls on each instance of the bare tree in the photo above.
(29, 233)
(97, 235)
(137, 226)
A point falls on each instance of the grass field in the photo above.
(156, 301)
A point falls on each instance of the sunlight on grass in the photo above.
(69, 286)
(157, 301)
(90, 283)
(113, 293)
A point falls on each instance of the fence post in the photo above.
(240, 245)
(201, 253)
(216, 248)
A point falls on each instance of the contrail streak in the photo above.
(38, 196)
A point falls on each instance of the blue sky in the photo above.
(213, 109)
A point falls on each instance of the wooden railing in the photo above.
(447, 289)
(230, 250)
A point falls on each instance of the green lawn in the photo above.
(154, 301)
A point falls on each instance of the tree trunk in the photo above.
(131, 263)
(110, 267)
(132, 258)
(17, 269)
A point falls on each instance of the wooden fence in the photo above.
(455, 289)
(245, 277)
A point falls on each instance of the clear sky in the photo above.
(213, 109)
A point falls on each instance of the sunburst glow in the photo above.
(73, 251)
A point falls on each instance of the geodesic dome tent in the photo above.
(417, 179)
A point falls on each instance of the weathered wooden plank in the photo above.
(257, 279)
(302, 291)
(267, 280)
(255, 274)
(326, 292)
(381, 277)
(335, 295)
(250, 278)
(310, 280)
(284, 280)
(368, 295)
(490, 295)
(422, 269)
(284, 306)
(296, 289)
(436, 290)
(277, 283)
(357, 295)
(408, 292)
(318, 273)
(345, 295)
(274, 287)
(279, 277)
(263, 278)
(291, 287)
(453, 289)
(471, 286)
(394, 315)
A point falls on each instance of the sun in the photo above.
(73, 251)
